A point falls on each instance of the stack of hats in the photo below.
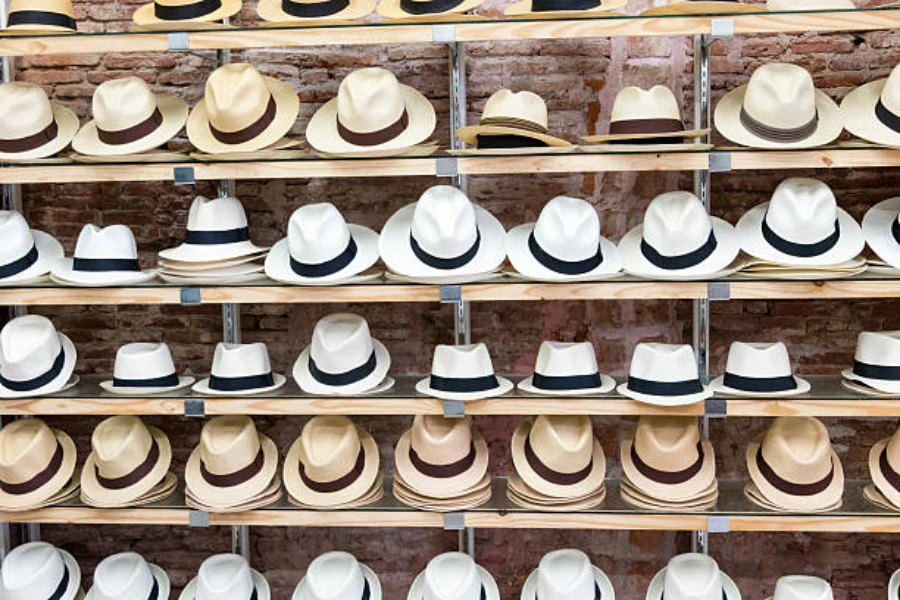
(338, 575)
(692, 576)
(759, 371)
(568, 574)
(801, 587)
(26, 254)
(884, 468)
(128, 465)
(104, 256)
(664, 375)
(876, 364)
(793, 467)
(144, 369)
(567, 369)
(233, 469)
(240, 370)
(37, 466)
(39, 570)
(442, 465)
(667, 464)
(226, 576)
(463, 373)
(513, 122)
(453, 575)
(35, 359)
(216, 249)
(558, 465)
(128, 575)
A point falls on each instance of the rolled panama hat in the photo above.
(216, 230)
(226, 577)
(35, 359)
(651, 116)
(567, 369)
(453, 575)
(145, 368)
(872, 111)
(692, 576)
(511, 120)
(175, 14)
(240, 369)
(665, 375)
(26, 254)
(28, 17)
(103, 256)
(802, 587)
(567, 574)
(463, 373)
(36, 464)
(31, 126)
(759, 370)
(128, 575)
(37, 571)
(876, 363)
(336, 576)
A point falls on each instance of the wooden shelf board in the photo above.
(834, 289)
(825, 158)
(813, 408)
(612, 289)
(84, 515)
(607, 521)
(347, 518)
(889, 523)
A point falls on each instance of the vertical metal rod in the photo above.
(240, 540)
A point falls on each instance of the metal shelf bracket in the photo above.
(446, 166)
(454, 521)
(194, 407)
(716, 407)
(178, 41)
(198, 518)
(718, 290)
(721, 27)
(454, 409)
(443, 33)
(718, 524)
(719, 162)
(183, 175)
(190, 296)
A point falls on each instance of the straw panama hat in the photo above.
(876, 362)
(240, 369)
(30, 125)
(802, 587)
(647, 116)
(453, 575)
(679, 240)
(881, 229)
(664, 375)
(128, 575)
(463, 373)
(801, 225)
(522, 115)
(338, 575)
(36, 463)
(144, 368)
(567, 369)
(176, 13)
(103, 256)
(546, 8)
(406, 9)
(35, 359)
(294, 11)
(700, 7)
(884, 467)
(37, 570)
(25, 253)
(794, 466)
(692, 576)
(759, 370)
(563, 245)
(894, 586)
(242, 111)
(216, 230)
(226, 577)
(872, 111)
(779, 108)
(28, 17)
(567, 575)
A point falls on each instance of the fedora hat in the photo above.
(321, 248)
(216, 230)
(759, 370)
(794, 466)
(894, 586)
(175, 13)
(567, 369)
(802, 587)
(129, 118)
(567, 575)
(563, 245)
(333, 462)
(463, 373)
(25, 254)
(226, 577)
(701, 7)
(665, 375)
(876, 362)
(692, 576)
(289, 12)
(872, 111)
(884, 467)
(679, 240)
(127, 576)
(779, 108)
(143, 368)
(511, 120)
(240, 369)
(39, 571)
(30, 125)
(651, 116)
(881, 229)
(411, 9)
(451, 576)
(442, 236)
(801, 225)
(338, 576)
(37, 462)
(103, 256)
(242, 111)
(809, 5)
(28, 17)
(35, 359)
(342, 359)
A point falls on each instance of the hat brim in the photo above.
(441, 487)
(665, 400)
(322, 131)
(271, 10)
(491, 591)
(529, 590)
(183, 382)
(702, 8)
(178, 26)
(148, 157)
(397, 253)
(674, 135)
(876, 228)
(670, 492)
(162, 582)
(259, 583)
(311, 385)
(145, 15)
(232, 280)
(658, 587)
(728, 122)
(63, 273)
(287, 107)
(391, 9)
(718, 386)
(894, 585)
(278, 262)
(369, 574)
(727, 249)
(49, 251)
(53, 486)
(850, 241)
(230, 496)
(174, 113)
(162, 490)
(878, 478)
(469, 134)
(858, 114)
(524, 8)
(607, 384)
(195, 253)
(525, 263)
(211, 265)
(60, 382)
(390, 276)
(587, 503)
(92, 487)
(202, 387)
(503, 385)
(66, 128)
(880, 387)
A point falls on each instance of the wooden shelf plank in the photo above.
(582, 163)
(825, 158)
(813, 408)
(846, 20)
(575, 406)
(888, 523)
(84, 515)
(612, 289)
(345, 518)
(834, 289)
(607, 521)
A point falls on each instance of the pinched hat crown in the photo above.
(634, 103)
(122, 103)
(802, 587)
(568, 229)
(564, 443)
(16, 235)
(565, 575)
(509, 108)
(317, 233)
(798, 449)
(693, 576)
(237, 97)
(334, 575)
(124, 575)
(444, 223)
(781, 96)
(676, 223)
(370, 100)
(452, 576)
(802, 210)
(26, 110)
(32, 571)
(29, 347)
(440, 441)
(228, 444)
(114, 241)
(27, 446)
(667, 443)
(120, 445)
(341, 342)
(224, 577)
(330, 447)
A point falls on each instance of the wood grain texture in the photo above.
(834, 289)
(100, 516)
(813, 408)
(827, 158)
(607, 521)
(324, 406)
(599, 290)
(576, 406)
(848, 524)
(92, 406)
(345, 518)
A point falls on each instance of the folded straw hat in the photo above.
(651, 116)
(801, 225)
(779, 108)
(226, 577)
(872, 111)
(877, 361)
(35, 359)
(665, 375)
(128, 575)
(881, 229)
(240, 369)
(511, 120)
(40, 16)
(884, 467)
(802, 587)
(37, 462)
(37, 571)
(298, 11)
(546, 8)
(692, 576)
(563, 245)
(700, 7)
(103, 256)
(336, 576)
(567, 575)
(175, 13)
(144, 368)
(463, 373)
(451, 576)
(30, 125)
(25, 253)
(567, 369)
(759, 370)
(216, 230)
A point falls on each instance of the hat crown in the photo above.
(120, 445)
(667, 443)
(525, 106)
(334, 576)
(317, 233)
(565, 443)
(890, 93)
(878, 348)
(802, 210)
(781, 95)
(228, 444)
(60, 6)
(634, 103)
(452, 576)
(16, 235)
(329, 447)
(566, 358)
(124, 575)
(32, 571)
(237, 96)
(444, 223)
(693, 576)
(224, 577)
(440, 441)
(240, 360)
(802, 587)
(122, 103)
(676, 223)
(29, 346)
(465, 361)
(758, 359)
(114, 241)
(565, 575)
(26, 110)
(216, 214)
(568, 229)
(143, 360)
(341, 342)
(663, 362)
(370, 100)
(798, 449)
(26, 448)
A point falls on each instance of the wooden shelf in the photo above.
(839, 157)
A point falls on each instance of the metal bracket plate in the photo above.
(183, 175)
(454, 521)
(190, 295)
(198, 518)
(718, 524)
(716, 407)
(443, 34)
(194, 407)
(721, 27)
(718, 290)
(446, 166)
(450, 294)
(454, 409)
(178, 41)
(719, 162)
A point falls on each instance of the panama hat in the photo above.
(242, 111)
(338, 576)
(563, 245)
(567, 575)
(872, 111)
(126, 576)
(408, 9)
(692, 576)
(651, 116)
(103, 256)
(30, 125)
(701, 7)
(37, 462)
(545, 8)
(463, 373)
(226, 577)
(216, 230)
(28, 17)
(877, 361)
(288, 12)
(793, 465)
(759, 370)
(443, 235)
(808, 5)
(881, 229)
(894, 586)
(567, 369)
(679, 240)
(25, 254)
(802, 587)
(144, 368)
(453, 575)
(779, 108)
(321, 248)
(801, 225)
(511, 120)
(884, 467)
(35, 359)
(665, 375)
(182, 13)
(38, 571)
(240, 369)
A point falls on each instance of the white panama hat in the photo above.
(567, 575)
(664, 375)
(881, 229)
(451, 576)
(103, 256)
(240, 369)
(876, 362)
(338, 576)
(216, 230)
(37, 571)
(35, 359)
(802, 587)
(226, 577)
(692, 576)
(759, 370)
(651, 116)
(463, 373)
(872, 111)
(25, 254)
(564, 369)
(127, 575)
(145, 368)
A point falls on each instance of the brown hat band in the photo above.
(641, 126)
(134, 133)
(443, 471)
(789, 487)
(236, 478)
(374, 138)
(142, 470)
(667, 477)
(514, 123)
(247, 133)
(887, 471)
(328, 487)
(548, 474)
(778, 134)
(47, 135)
(39, 480)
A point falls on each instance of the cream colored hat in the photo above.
(808, 5)
(126, 576)
(546, 8)
(338, 576)
(567, 575)
(144, 368)
(567, 369)
(463, 373)
(877, 361)
(30, 125)
(174, 13)
(881, 229)
(779, 108)
(665, 375)
(35, 359)
(511, 120)
(406, 9)
(240, 369)
(40, 16)
(299, 11)
(216, 230)
(647, 116)
(103, 256)
(226, 577)
(759, 370)
(802, 587)
(36, 462)
(242, 111)
(894, 586)
(884, 467)
(37, 571)
(692, 576)
(872, 111)
(25, 253)
(372, 112)
(452, 576)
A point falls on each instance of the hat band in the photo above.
(443, 471)
(39, 480)
(41, 17)
(667, 477)
(237, 477)
(551, 475)
(778, 134)
(552, 5)
(374, 138)
(445, 264)
(251, 131)
(60, 590)
(154, 591)
(131, 134)
(870, 371)
(329, 267)
(20, 264)
(240, 384)
(464, 385)
(103, 265)
(513, 123)
(430, 7)
(186, 11)
(170, 380)
(313, 9)
(895, 230)
(680, 261)
(41, 138)
(211, 238)
(329, 487)
(887, 471)
(566, 267)
(783, 383)
(598, 595)
(789, 487)
(566, 382)
(139, 472)
(495, 142)
(887, 118)
(801, 250)
(40, 380)
(347, 377)
(642, 126)
(664, 388)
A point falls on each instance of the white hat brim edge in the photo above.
(858, 115)
(526, 264)
(368, 573)
(665, 400)
(49, 251)
(658, 586)
(310, 385)
(416, 591)
(879, 385)
(60, 382)
(504, 385)
(876, 228)
(529, 590)
(259, 582)
(62, 272)
(718, 386)
(278, 266)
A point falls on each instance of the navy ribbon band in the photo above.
(789, 487)
(313, 10)
(883, 114)
(20, 264)
(238, 477)
(895, 230)
(870, 371)
(565, 267)
(429, 7)
(463, 385)
(210, 238)
(445, 471)
(667, 477)
(801, 250)
(41, 17)
(598, 595)
(445, 264)
(137, 474)
(154, 591)
(186, 11)
(62, 587)
(566, 382)
(105, 265)
(240, 384)
(329, 267)
(39, 480)
(664, 388)
(170, 380)
(553, 476)
(743, 383)
(494, 142)
(680, 261)
(347, 377)
(39, 381)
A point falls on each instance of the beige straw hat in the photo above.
(176, 12)
(30, 125)
(872, 111)
(36, 463)
(297, 11)
(884, 467)
(547, 8)
(511, 120)
(646, 116)
(40, 16)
